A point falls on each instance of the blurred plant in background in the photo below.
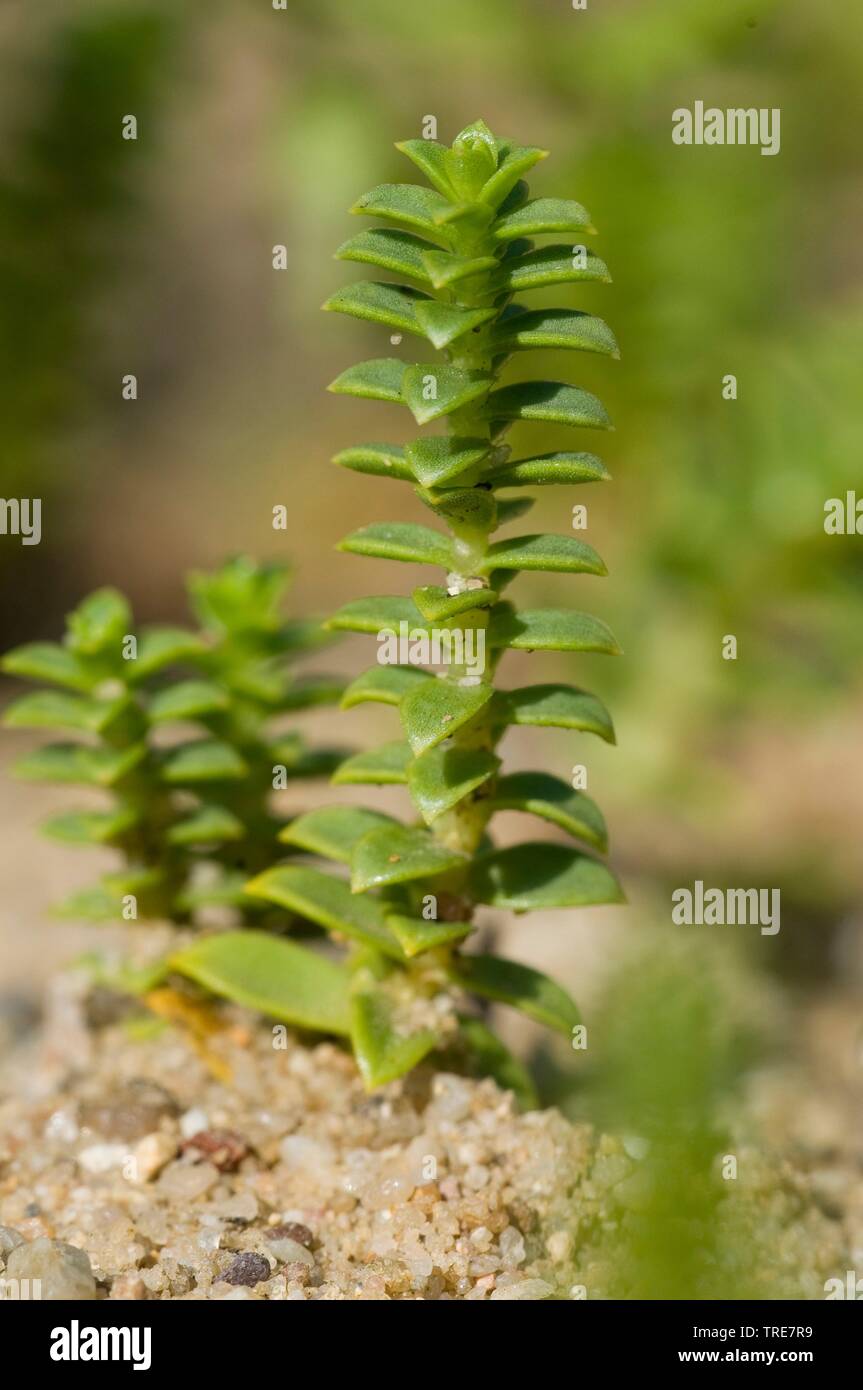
(189, 804)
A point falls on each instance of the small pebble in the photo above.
(559, 1245)
(62, 1127)
(222, 1147)
(192, 1122)
(300, 1152)
(289, 1251)
(152, 1153)
(183, 1182)
(512, 1250)
(101, 1158)
(63, 1270)
(247, 1269)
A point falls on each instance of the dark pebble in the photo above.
(247, 1268)
(222, 1147)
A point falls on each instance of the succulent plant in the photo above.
(408, 906)
(188, 805)
(243, 683)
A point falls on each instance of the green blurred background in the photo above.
(257, 127)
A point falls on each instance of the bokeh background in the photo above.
(259, 127)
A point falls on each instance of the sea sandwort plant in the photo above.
(175, 726)
(408, 903)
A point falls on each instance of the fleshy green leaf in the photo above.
(552, 553)
(552, 468)
(550, 630)
(90, 827)
(551, 401)
(375, 614)
(99, 623)
(445, 269)
(379, 379)
(434, 711)
(542, 215)
(430, 157)
(440, 459)
(400, 540)
(558, 707)
(553, 800)
(443, 324)
(385, 766)
(73, 762)
(272, 975)
(536, 875)
(515, 161)
(48, 661)
(472, 160)
(511, 508)
(240, 595)
(332, 831)
(377, 460)
(95, 904)
(399, 855)
(527, 990)
(379, 302)
(187, 700)
(49, 709)
(444, 776)
(383, 1054)
(550, 265)
(489, 1057)
(554, 328)
(207, 825)
(390, 249)
(384, 685)
(462, 507)
(407, 204)
(467, 219)
(437, 605)
(206, 760)
(159, 647)
(431, 390)
(327, 901)
(416, 935)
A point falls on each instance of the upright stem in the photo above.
(463, 827)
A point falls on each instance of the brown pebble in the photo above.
(248, 1269)
(297, 1272)
(291, 1230)
(222, 1147)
